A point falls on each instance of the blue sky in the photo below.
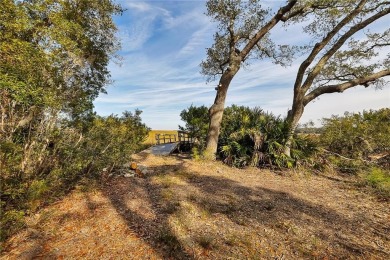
(163, 43)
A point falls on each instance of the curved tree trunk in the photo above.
(301, 100)
(234, 61)
(216, 114)
(293, 117)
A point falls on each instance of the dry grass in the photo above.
(198, 210)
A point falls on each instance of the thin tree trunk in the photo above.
(293, 117)
(216, 114)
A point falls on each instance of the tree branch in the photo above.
(321, 45)
(341, 87)
(375, 46)
(232, 42)
(266, 28)
(377, 6)
(321, 63)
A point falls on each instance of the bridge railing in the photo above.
(166, 138)
(181, 137)
(184, 137)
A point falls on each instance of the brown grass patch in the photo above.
(201, 210)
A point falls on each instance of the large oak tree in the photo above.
(345, 54)
(243, 33)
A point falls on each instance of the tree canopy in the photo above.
(243, 32)
(345, 53)
(54, 54)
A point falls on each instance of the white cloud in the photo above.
(197, 40)
(165, 79)
(137, 24)
(139, 6)
(134, 37)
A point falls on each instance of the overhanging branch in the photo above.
(318, 47)
(339, 43)
(342, 87)
(266, 28)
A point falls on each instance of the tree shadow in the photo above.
(140, 204)
(261, 206)
(282, 211)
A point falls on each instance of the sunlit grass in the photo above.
(380, 180)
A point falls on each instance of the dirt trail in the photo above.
(194, 210)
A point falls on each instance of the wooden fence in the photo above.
(181, 137)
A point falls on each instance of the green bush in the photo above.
(72, 151)
(250, 137)
(379, 179)
(351, 142)
(10, 222)
(347, 166)
(196, 154)
(50, 74)
(36, 191)
(357, 135)
(196, 123)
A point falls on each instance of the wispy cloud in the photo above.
(163, 45)
(138, 6)
(139, 22)
(197, 41)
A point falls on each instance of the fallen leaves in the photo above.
(189, 210)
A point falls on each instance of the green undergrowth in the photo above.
(379, 179)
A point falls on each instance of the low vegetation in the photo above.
(357, 135)
(192, 209)
(379, 179)
(50, 168)
(356, 143)
(257, 201)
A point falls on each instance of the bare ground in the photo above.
(198, 210)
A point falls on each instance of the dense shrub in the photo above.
(251, 137)
(54, 58)
(354, 142)
(196, 123)
(379, 179)
(357, 135)
(58, 158)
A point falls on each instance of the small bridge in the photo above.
(166, 144)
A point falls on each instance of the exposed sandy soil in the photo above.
(197, 210)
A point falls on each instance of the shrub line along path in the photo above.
(199, 210)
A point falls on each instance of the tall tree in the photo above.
(244, 28)
(53, 63)
(53, 55)
(53, 59)
(344, 56)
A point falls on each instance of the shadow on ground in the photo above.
(148, 219)
(143, 206)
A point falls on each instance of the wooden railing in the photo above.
(181, 137)
(185, 138)
(166, 138)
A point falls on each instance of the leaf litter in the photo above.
(187, 209)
